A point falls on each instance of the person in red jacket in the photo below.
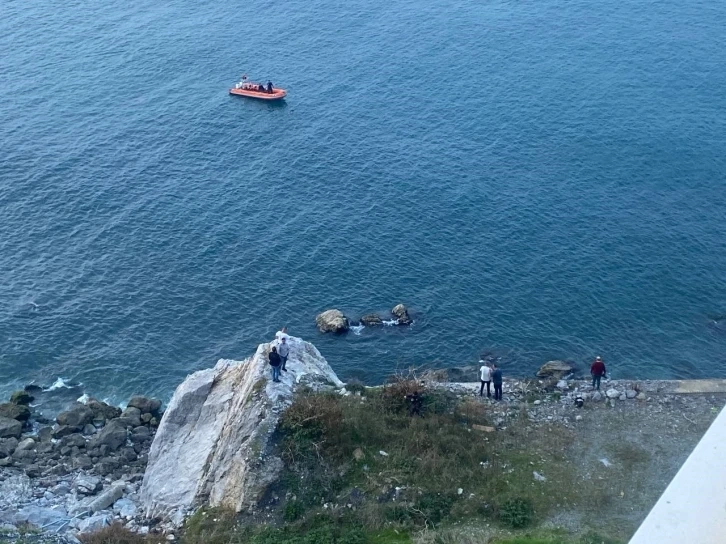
(598, 371)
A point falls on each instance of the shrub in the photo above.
(114, 534)
(293, 511)
(356, 386)
(517, 512)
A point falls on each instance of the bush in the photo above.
(114, 534)
(293, 511)
(356, 386)
(516, 513)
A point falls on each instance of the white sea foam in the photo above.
(58, 384)
(390, 322)
(83, 399)
(357, 329)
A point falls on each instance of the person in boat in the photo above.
(269, 87)
(261, 88)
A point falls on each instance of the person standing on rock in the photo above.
(282, 333)
(275, 364)
(497, 379)
(485, 375)
(598, 371)
(284, 351)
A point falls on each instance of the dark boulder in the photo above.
(64, 430)
(75, 439)
(371, 320)
(401, 313)
(10, 427)
(21, 397)
(113, 436)
(7, 446)
(145, 405)
(14, 411)
(77, 416)
(102, 411)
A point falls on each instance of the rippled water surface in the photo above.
(540, 179)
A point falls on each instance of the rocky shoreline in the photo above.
(96, 464)
(77, 473)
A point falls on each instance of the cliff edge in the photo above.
(212, 443)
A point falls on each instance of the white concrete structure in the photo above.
(692, 509)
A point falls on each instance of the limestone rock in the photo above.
(87, 485)
(125, 508)
(641, 396)
(145, 405)
(21, 397)
(332, 321)
(10, 428)
(371, 320)
(612, 393)
(94, 523)
(107, 497)
(631, 394)
(39, 516)
(562, 385)
(14, 411)
(597, 396)
(554, 369)
(401, 313)
(76, 416)
(26, 444)
(212, 443)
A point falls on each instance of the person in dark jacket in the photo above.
(284, 351)
(275, 362)
(497, 381)
(598, 371)
(269, 87)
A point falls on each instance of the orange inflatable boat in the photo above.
(257, 90)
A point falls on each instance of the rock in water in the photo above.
(371, 320)
(212, 442)
(401, 313)
(332, 321)
(77, 416)
(554, 369)
(14, 411)
(21, 397)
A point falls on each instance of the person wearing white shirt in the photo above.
(279, 335)
(485, 375)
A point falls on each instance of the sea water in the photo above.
(535, 179)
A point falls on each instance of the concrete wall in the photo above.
(692, 509)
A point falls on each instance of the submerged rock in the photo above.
(332, 321)
(401, 313)
(371, 320)
(212, 443)
(554, 369)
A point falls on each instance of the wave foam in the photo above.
(58, 384)
(356, 329)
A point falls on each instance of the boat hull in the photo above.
(276, 94)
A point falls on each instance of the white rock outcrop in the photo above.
(212, 443)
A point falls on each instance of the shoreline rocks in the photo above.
(54, 476)
(555, 370)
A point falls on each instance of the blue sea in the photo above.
(535, 179)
